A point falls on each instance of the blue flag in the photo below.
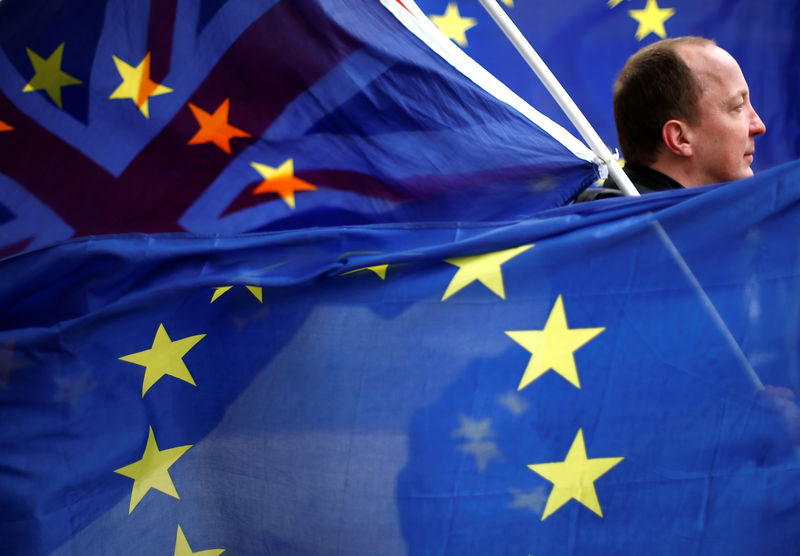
(607, 378)
(586, 42)
(229, 117)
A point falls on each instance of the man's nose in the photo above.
(757, 127)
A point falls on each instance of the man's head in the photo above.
(682, 107)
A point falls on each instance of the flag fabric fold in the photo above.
(231, 117)
(559, 384)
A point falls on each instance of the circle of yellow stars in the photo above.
(552, 348)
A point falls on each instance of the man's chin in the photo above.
(744, 174)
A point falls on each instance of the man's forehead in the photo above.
(713, 66)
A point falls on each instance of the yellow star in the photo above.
(483, 268)
(651, 19)
(165, 357)
(48, 76)
(280, 180)
(452, 25)
(182, 547)
(137, 85)
(379, 269)
(614, 3)
(574, 477)
(553, 347)
(218, 292)
(257, 291)
(509, 3)
(152, 471)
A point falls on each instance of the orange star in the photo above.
(214, 128)
(4, 126)
(280, 180)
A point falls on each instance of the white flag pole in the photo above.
(599, 148)
(560, 94)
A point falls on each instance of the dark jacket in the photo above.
(646, 180)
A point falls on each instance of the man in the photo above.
(683, 116)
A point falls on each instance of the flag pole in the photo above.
(601, 150)
(560, 95)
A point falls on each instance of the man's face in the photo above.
(722, 138)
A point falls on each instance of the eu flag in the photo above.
(241, 116)
(607, 378)
(586, 42)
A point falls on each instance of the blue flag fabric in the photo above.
(607, 378)
(586, 42)
(237, 116)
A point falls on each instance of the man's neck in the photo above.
(650, 180)
(681, 173)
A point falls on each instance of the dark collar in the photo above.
(648, 180)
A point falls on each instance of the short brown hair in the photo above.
(655, 86)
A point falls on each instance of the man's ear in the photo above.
(677, 137)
